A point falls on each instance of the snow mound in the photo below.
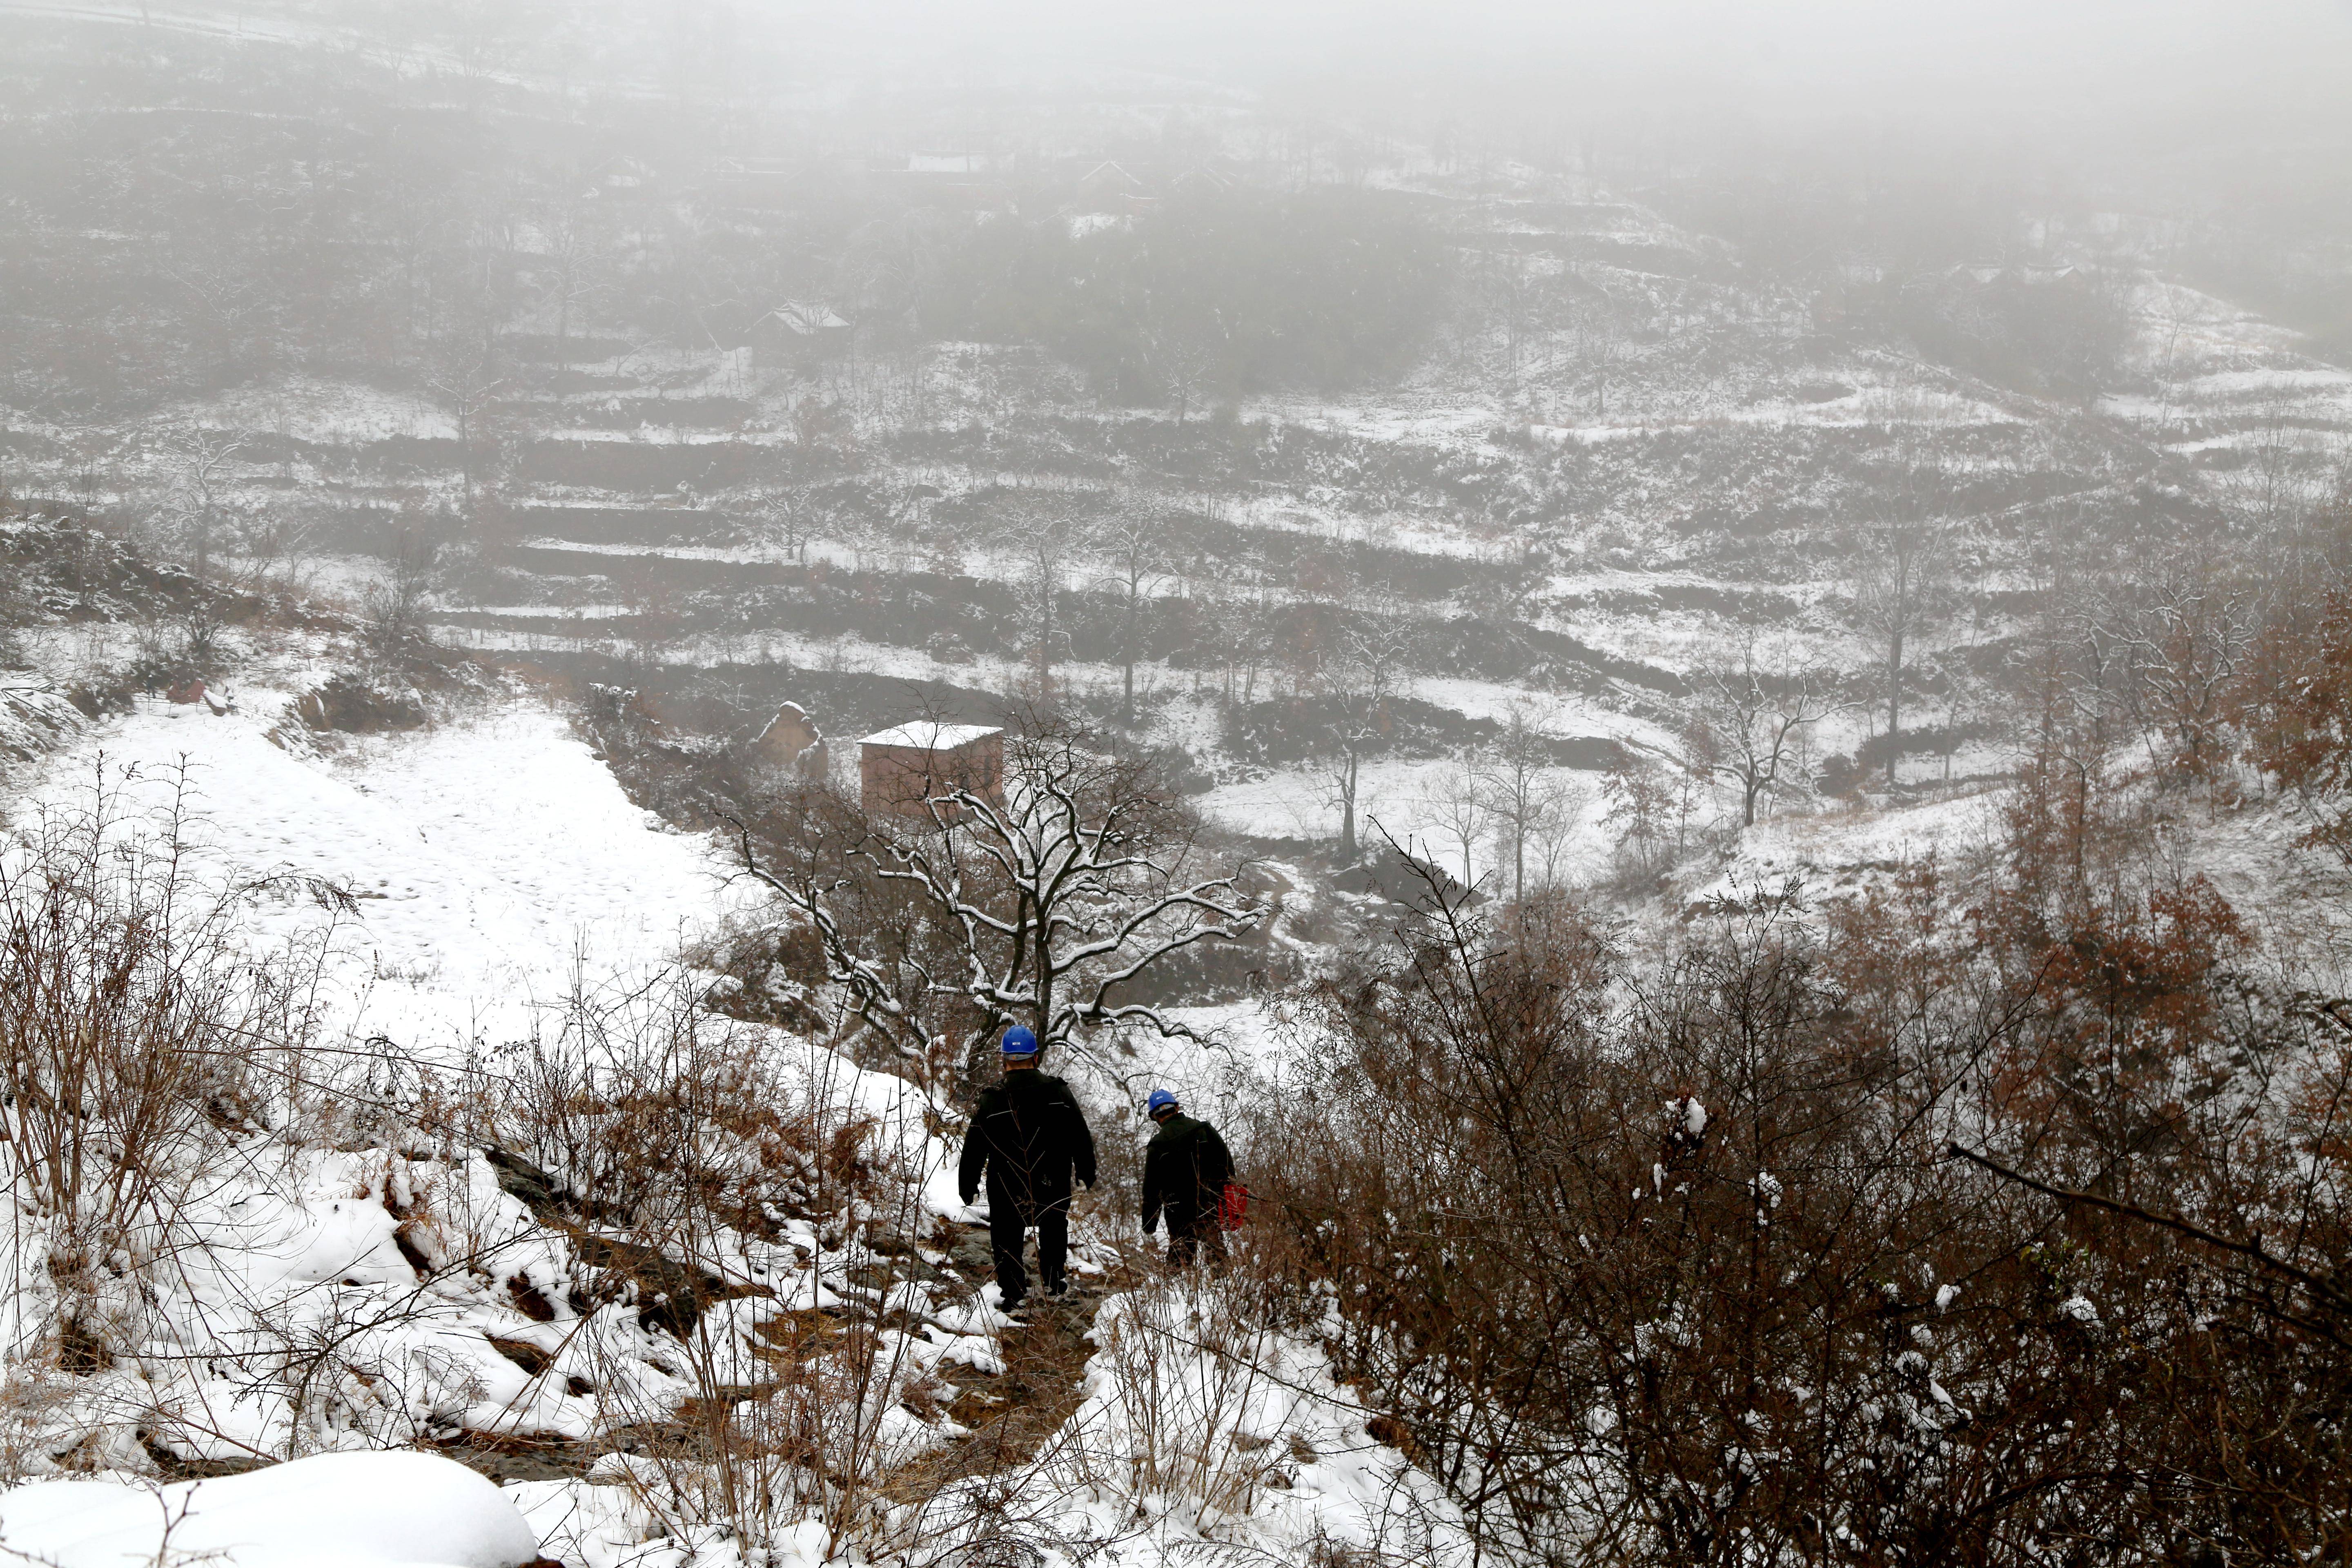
(33, 716)
(331, 1510)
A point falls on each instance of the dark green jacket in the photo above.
(1186, 1170)
(1029, 1134)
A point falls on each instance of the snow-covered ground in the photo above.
(494, 863)
(495, 866)
(331, 1510)
(1412, 801)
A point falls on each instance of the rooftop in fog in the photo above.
(927, 736)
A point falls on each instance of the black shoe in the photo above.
(1017, 1308)
(1059, 1289)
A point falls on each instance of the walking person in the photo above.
(1029, 1137)
(1186, 1169)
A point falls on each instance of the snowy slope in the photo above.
(493, 862)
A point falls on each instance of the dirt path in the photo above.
(1011, 1416)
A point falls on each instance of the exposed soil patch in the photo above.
(1014, 1415)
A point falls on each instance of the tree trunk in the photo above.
(465, 449)
(1126, 670)
(1348, 808)
(1893, 706)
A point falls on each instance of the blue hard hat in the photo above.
(1020, 1042)
(1160, 1101)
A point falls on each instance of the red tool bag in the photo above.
(1233, 1208)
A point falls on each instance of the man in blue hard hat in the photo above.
(1029, 1137)
(1186, 1170)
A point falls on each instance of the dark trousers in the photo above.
(1191, 1235)
(1007, 1225)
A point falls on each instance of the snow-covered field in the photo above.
(1410, 800)
(495, 865)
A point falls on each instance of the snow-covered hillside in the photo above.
(492, 866)
(1699, 709)
(456, 892)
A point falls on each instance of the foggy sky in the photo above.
(2072, 60)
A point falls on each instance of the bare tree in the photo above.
(1529, 802)
(1360, 674)
(1186, 352)
(1041, 535)
(1056, 891)
(466, 385)
(1751, 722)
(572, 251)
(1455, 802)
(1900, 591)
(1511, 292)
(202, 463)
(200, 508)
(234, 308)
(795, 513)
(1130, 548)
(1242, 618)
(1651, 807)
(2274, 487)
(2185, 637)
(1601, 348)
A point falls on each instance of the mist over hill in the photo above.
(1686, 664)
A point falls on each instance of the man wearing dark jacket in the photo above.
(1029, 1134)
(1185, 1171)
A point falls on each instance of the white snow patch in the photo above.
(330, 1511)
(491, 859)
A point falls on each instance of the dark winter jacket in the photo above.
(1030, 1135)
(1186, 1170)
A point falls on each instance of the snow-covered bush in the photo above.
(1181, 1373)
(1210, 1429)
(1669, 1260)
(135, 1036)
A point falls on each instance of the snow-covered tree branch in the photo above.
(1045, 903)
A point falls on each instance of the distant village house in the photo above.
(799, 332)
(900, 771)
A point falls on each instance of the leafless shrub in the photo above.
(1668, 1262)
(133, 1033)
(1185, 1368)
(1047, 901)
(720, 1179)
(395, 603)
